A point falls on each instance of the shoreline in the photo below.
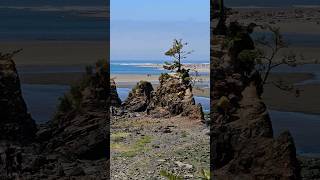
(274, 98)
(192, 66)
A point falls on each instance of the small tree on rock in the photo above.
(178, 54)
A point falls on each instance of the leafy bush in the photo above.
(65, 104)
(89, 70)
(76, 95)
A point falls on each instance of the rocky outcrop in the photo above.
(82, 133)
(115, 101)
(245, 148)
(139, 98)
(75, 144)
(16, 123)
(78, 138)
(174, 97)
(242, 142)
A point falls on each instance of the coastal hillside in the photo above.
(74, 144)
(242, 136)
(248, 141)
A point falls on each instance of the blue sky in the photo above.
(275, 3)
(145, 29)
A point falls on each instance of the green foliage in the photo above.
(178, 54)
(205, 174)
(184, 75)
(76, 95)
(164, 77)
(172, 66)
(65, 104)
(72, 100)
(102, 66)
(140, 85)
(170, 176)
(118, 136)
(137, 147)
(89, 70)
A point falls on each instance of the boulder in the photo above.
(139, 98)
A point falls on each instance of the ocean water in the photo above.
(306, 68)
(139, 66)
(126, 67)
(26, 24)
(303, 127)
(42, 100)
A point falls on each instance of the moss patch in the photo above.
(119, 136)
(134, 149)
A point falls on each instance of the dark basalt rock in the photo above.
(16, 123)
(139, 98)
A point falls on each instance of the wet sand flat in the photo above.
(56, 53)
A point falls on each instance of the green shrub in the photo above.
(76, 96)
(163, 77)
(65, 104)
(89, 70)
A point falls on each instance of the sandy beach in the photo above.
(299, 19)
(56, 53)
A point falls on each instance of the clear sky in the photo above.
(144, 29)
